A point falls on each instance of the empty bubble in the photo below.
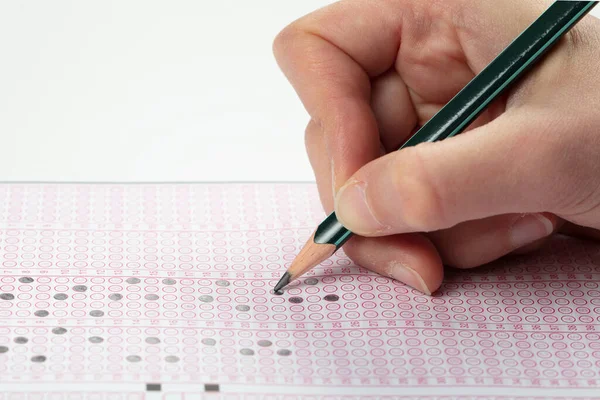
(38, 358)
(21, 340)
(247, 352)
(206, 298)
(133, 281)
(61, 296)
(59, 331)
(96, 339)
(151, 296)
(80, 288)
(209, 341)
(134, 358)
(152, 340)
(264, 343)
(171, 359)
(7, 296)
(25, 279)
(41, 313)
(115, 296)
(169, 281)
(284, 352)
(242, 307)
(96, 313)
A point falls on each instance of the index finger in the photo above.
(329, 57)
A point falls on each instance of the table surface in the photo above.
(116, 91)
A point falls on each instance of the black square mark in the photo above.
(153, 387)
(211, 387)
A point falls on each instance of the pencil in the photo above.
(457, 114)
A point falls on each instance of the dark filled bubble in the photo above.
(80, 288)
(247, 352)
(332, 297)
(151, 296)
(134, 358)
(209, 341)
(242, 307)
(206, 298)
(133, 281)
(169, 281)
(38, 358)
(96, 339)
(61, 296)
(171, 359)
(21, 340)
(7, 296)
(296, 300)
(59, 331)
(115, 296)
(152, 340)
(264, 343)
(222, 282)
(3, 349)
(96, 313)
(284, 352)
(26, 279)
(41, 313)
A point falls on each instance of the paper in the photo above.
(144, 291)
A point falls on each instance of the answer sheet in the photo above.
(163, 291)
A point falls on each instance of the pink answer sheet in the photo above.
(162, 291)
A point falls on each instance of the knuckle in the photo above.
(284, 39)
(422, 206)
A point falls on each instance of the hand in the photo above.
(371, 72)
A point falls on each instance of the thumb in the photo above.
(514, 164)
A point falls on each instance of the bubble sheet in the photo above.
(139, 290)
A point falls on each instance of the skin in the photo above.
(369, 73)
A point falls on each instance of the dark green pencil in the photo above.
(455, 116)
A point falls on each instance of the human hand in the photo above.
(371, 72)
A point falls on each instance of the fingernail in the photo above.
(530, 228)
(353, 210)
(405, 274)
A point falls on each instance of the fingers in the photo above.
(393, 109)
(319, 160)
(409, 258)
(520, 162)
(330, 64)
(474, 243)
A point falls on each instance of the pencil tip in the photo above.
(283, 282)
(311, 255)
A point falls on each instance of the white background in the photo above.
(183, 90)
